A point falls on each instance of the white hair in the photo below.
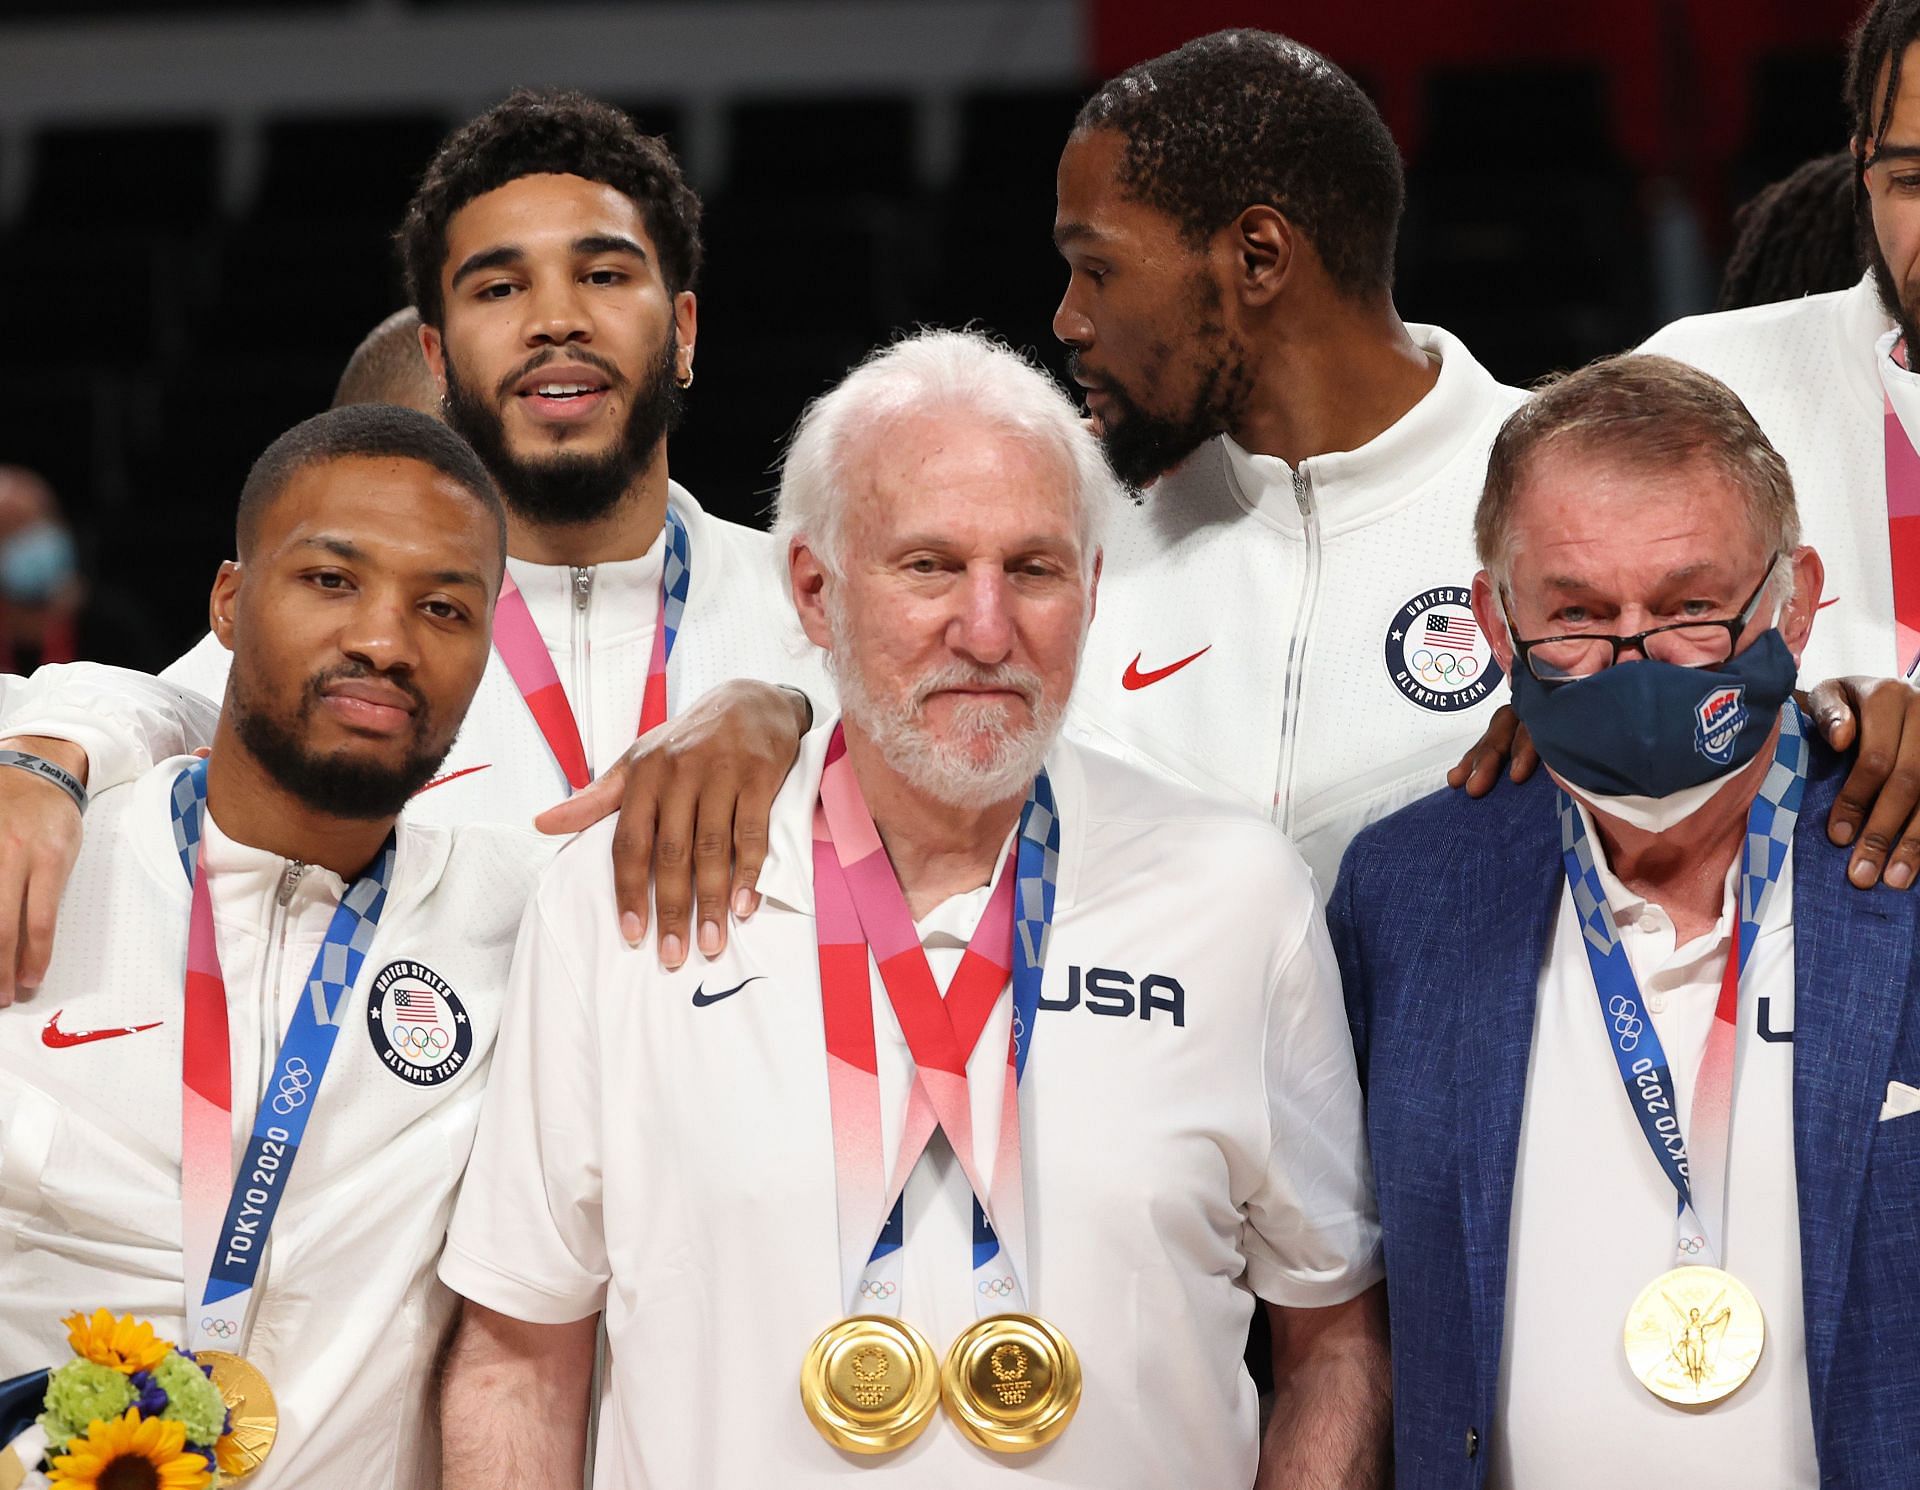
(935, 372)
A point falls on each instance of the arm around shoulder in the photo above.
(513, 1402)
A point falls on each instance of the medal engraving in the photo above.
(870, 1384)
(1011, 1383)
(255, 1416)
(1694, 1335)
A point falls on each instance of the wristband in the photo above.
(47, 771)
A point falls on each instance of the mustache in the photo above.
(359, 670)
(615, 378)
(961, 674)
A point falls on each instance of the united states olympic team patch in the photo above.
(1436, 655)
(419, 1030)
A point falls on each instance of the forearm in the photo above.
(513, 1403)
(116, 723)
(1332, 1421)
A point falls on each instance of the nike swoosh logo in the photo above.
(55, 1038)
(1825, 603)
(701, 998)
(450, 776)
(1133, 678)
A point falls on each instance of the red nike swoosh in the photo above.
(1825, 603)
(450, 776)
(55, 1038)
(1134, 678)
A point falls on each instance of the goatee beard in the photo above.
(565, 489)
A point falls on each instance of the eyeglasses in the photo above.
(1555, 659)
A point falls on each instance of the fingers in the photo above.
(1831, 705)
(712, 860)
(1875, 808)
(675, 827)
(605, 793)
(1525, 757)
(632, 861)
(13, 895)
(1480, 767)
(39, 841)
(750, 817)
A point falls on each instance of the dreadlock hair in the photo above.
(1244, 118)
(1883, 37)
(558, 132)
(1799, 236)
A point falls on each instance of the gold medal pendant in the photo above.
(1694, 1335)
(870, 1384)
(1011, 1382)
(250, 1405)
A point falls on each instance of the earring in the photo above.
(686, 381)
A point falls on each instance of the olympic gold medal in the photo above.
(1011, 1382)
(1694, 1335)
(870, 1384)
(250, 1406)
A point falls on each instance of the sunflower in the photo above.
(126, 1344)
(131, 1454)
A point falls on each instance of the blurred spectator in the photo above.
(389, 368)
(47, 612)
(1798, 237)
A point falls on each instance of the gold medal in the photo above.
(1011, 1382)
(870, 1384)
(250, 1405)
(1694, 1335)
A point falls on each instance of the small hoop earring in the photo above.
(686, 382)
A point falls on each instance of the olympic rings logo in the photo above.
(1626, 1020)
(420, 1039)
(884, 1289)
(999, 1287)
(1693, 1245)
(294, 1082)
(1452, 669)
(220, 1329)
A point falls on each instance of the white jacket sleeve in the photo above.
(124, 720)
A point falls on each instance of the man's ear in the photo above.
(1809, 579)
(1492, 620)
(223, 602)
(686, 326)
(808, 578)
(1262, 244)
(433, 347)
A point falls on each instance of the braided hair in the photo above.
(1882, 38)
(1799, 236)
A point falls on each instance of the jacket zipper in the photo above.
(583, 664)
(1294, 687)
(290, 878)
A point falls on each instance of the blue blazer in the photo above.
(1446, 908)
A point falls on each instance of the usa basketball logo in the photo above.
(1436, 655)
(1717, 721)
(419, 1030)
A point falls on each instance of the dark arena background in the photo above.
(197, 199)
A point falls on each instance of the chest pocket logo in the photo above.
(418, 1027)
(1436, 655)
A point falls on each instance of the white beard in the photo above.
(949, 770)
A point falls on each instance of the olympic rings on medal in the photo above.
(294, 1082)
(1626, 1020)
(884, 1288)
(999, 1287)
(220, 1329)
(419, 1038)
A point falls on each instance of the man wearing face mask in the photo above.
(1643, 1071)
(46, 612)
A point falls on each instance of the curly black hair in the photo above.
(533, 133)
(1882, 38)
(1246, 117)
(1797, 237)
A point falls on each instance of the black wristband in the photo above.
(49, 772)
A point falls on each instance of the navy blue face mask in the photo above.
(1650, 729)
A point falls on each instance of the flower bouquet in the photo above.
(133, 1412)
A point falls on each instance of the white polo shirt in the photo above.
(1593, 1219)
(1299, 639)
(598, 625)
(349, 1316)
(1806, 370)
(1190, 1117)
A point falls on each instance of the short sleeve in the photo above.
(1312, 1233)
(527, 1238)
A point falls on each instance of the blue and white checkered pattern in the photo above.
(675, 577)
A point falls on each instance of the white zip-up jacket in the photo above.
(1299, 638)
(349, 1316)
(597, 623)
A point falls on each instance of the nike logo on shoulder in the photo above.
(701, 998)
(55, 1038)
(1133, 678)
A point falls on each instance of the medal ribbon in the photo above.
(1903, 528)
(1637, 1050)
(517, 639)
(223, 1256)
(859, 908)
